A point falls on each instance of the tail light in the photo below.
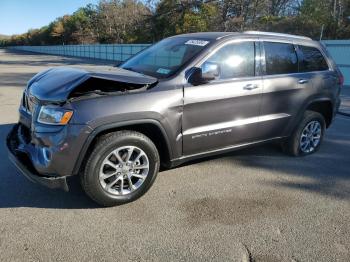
(340, 78)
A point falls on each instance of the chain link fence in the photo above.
(115, 52)
(339, 49)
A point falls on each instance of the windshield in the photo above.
(166, 57)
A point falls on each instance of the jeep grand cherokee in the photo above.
(186, 97)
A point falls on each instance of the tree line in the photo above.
(134, 21)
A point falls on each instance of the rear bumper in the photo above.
(20, 159)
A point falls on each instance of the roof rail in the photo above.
(276, 34)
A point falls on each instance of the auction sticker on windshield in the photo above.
(163, 71)
(197, 42)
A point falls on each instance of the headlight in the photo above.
(54, 116)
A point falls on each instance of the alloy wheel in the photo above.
(310, 137)
(124, 170)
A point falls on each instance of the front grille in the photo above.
(24, 102)
(29, 102)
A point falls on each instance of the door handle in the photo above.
(329, 77)
(303, 81)
(250, 87)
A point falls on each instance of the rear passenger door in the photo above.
(314, 66)
(283, 88)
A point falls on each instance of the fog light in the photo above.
(46, 154)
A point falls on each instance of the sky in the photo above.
(17, 16)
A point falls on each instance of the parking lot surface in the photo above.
(251, 205)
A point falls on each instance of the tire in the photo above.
(293, 145)
(97, 178)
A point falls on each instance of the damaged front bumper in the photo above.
(16, 143)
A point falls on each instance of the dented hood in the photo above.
(56, 84)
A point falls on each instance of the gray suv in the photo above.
(186, 97)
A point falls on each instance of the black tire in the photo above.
(105, 145)
(291, 145)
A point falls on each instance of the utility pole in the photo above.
(321, 35)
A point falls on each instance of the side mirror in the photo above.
(209, 71)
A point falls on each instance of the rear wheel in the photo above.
(121, 168)
(307, 137)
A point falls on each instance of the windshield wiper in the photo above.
(132, 69)
(128, 68)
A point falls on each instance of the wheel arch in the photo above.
(149, 127)
(324, 107)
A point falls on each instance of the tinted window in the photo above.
(313, 60)
(235, 60)
(280, 58)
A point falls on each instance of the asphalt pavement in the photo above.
(344, 108)
(255, 204)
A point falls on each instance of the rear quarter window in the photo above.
(312, 59)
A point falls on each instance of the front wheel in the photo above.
(308, 135)
(121, 168)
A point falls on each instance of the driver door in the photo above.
(225, 111)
